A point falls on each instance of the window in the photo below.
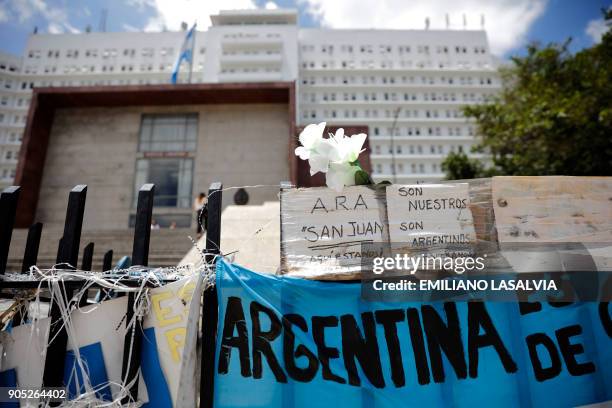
(168, 133)
(172, 178)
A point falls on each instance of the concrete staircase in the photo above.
(167, 246)
(251, 232)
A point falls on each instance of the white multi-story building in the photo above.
(407, 86)
(14, 104)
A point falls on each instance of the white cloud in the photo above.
(56, 17)
(596, 29)
(130, 28)
(70, 28)
(3, 16)
(54, 28)
(170, 13)
(507, 21)
(271, 5)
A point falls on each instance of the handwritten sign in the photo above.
(430, 217)
(322, 231)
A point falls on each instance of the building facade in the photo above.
(14, 103)
(406, 86)
(181, 138)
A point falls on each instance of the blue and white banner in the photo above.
(289, 342)
(185, 54)
(94, 355)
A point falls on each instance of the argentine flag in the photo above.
(186, 52)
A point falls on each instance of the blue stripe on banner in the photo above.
(93, 359)
(8, 378)
(153, 376)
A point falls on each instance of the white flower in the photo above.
(340, 175)
(348, 148)
(335, 156)
(310, 138)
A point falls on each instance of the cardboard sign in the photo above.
(169, 343)
(553, 209)
(430, 218)
(300, 343)
(23, 356)
(322, 231)
(97, 339)
(547, 211)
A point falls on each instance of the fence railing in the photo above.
(67, 257)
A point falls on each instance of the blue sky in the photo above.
(510, 24)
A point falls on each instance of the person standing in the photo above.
(200, 207)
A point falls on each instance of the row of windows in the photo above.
(399, 79)
(313, 97)
(10, 155)
(8, 84)
(412, 168)
(400, 49)
(12, 119)
(75, 69)
(425, 131)
(389, 64)
(380, 113)
(8, 174)
(10, 137)
(105, 53)
(97, 82)
(248, 52)
(249, 70)
(239, 36)
(18, 102)
(8, 67)
(419, 149)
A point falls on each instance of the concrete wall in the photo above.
(237, 144)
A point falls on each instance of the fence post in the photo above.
(87, 257)
(8, 207)
(140, 256)
(210, 304)
(69, 252)
(107, 262)
(30, 255)
(86, 266)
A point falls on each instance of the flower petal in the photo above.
(340, 175)
(330, 149)
(312, 135)
(318, 163)
(339, 135)
(302, 152)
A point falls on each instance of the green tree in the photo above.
(553, 116)
(458, 166)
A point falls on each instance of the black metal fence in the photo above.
(67, 256)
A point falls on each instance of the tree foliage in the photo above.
(553, 116)
(458, 166)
